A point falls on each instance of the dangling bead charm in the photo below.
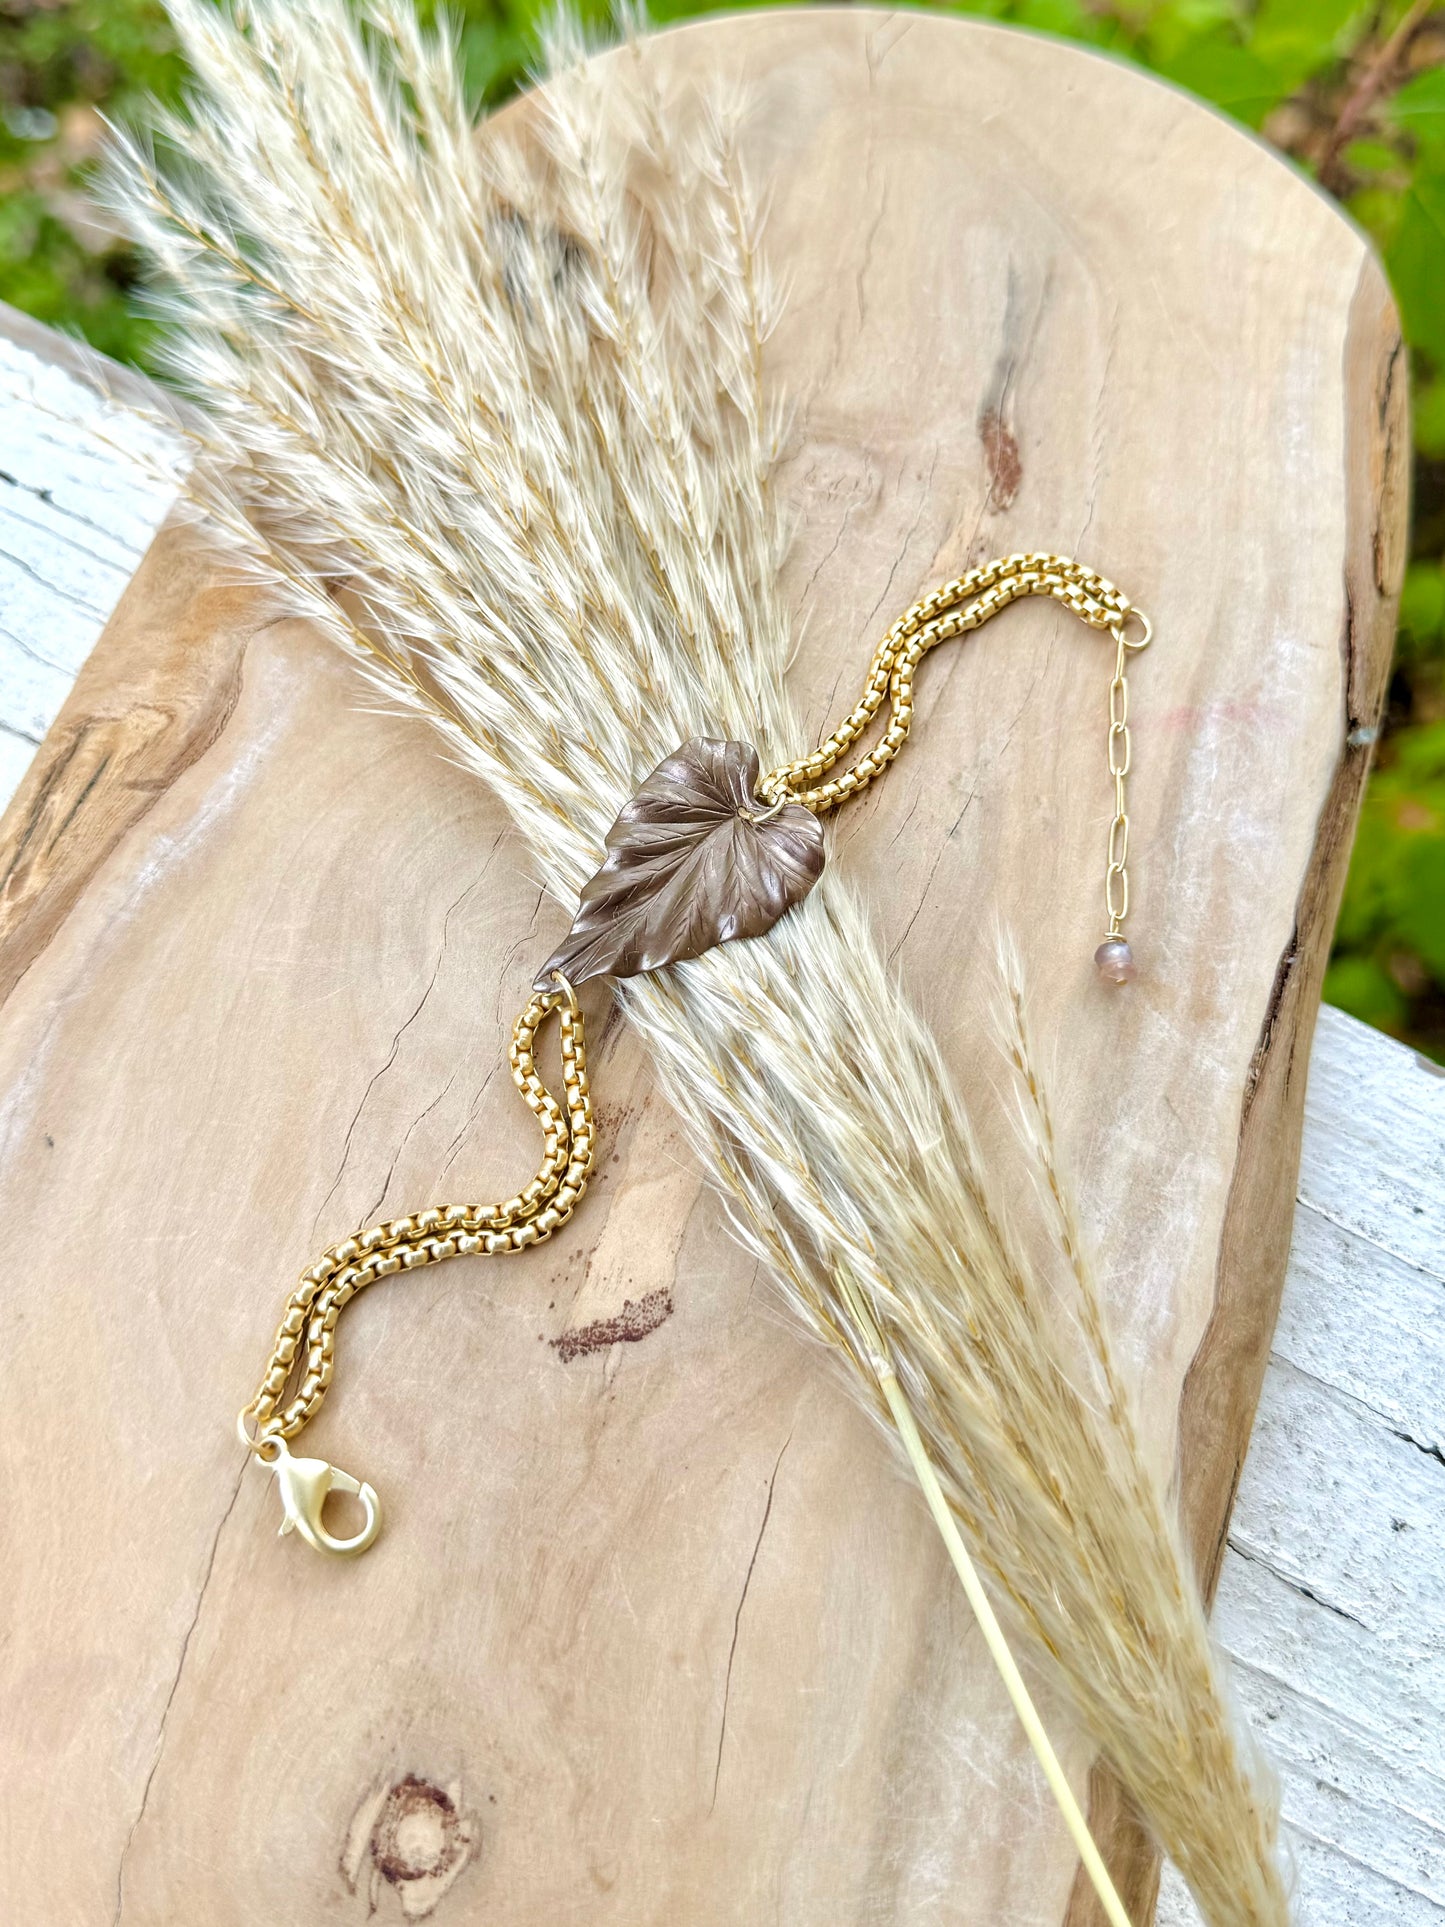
(1114, 961)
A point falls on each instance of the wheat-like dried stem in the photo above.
(916, 1452)
(510, 391)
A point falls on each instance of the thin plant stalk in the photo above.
(993, 1634)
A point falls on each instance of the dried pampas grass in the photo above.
(511, 394)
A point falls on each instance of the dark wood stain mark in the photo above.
(636, 1319)
(997, 432)
(1389, 533)
(1275, 1004)
(82, 798)
(418, 1834)
(1001, 458)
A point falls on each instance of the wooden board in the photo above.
(80, 507)
(625, 1652)
(1330, 1600)
(1336, 1636)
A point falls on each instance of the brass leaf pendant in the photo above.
(689, 865)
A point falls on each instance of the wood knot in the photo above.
(416, 1834)
(412, 1837)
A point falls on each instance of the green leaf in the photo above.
(1419, 759)
(493, 59)
(1366, 990)
(1429, 412)
(1320, 24)
(1422, 600)
(1379, 211)
(1297, 38)
(1422, 905)
(1419, 107)
(1231, 76)
(1415, 259)
(1395, 893)
(1370, 157)
(1173, 25)
(1067, 18)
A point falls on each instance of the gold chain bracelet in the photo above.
(703, 791)
(952, 610)
(305, 1348)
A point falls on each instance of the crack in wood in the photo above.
(391, 1056)
(1255, 1556)
(737, 1622)
(171, 1695)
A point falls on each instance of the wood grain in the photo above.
(655, 1632)
(141, 711)
(1222, 1385)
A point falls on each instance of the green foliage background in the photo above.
(1353, 93)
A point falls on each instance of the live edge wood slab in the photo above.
(655, 1631)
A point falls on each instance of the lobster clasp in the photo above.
(305, 1485)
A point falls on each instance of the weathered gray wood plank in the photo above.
(1332, 1598)
(83, 488)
